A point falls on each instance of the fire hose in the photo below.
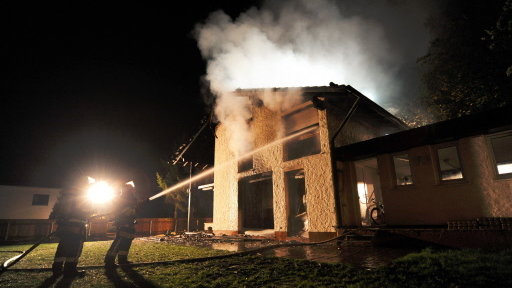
(9, 262)
(200, 259)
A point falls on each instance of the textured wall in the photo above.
(225, 199)
(496, 193)
(266, 126)
(432, 202)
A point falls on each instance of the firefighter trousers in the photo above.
(68, 252)
(120, 246)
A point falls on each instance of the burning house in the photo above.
(289, 184)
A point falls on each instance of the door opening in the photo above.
(256, 202)
(297, 206)
(369, 192)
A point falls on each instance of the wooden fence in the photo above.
(26, 230)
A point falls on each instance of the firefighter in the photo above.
(124, 221)
(70, 212)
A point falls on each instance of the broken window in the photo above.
(402, 170)
(449, 164)
(502, 149)
(303, 119)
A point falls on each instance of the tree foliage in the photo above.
(501, 36)
(465, 69)
(168, 176)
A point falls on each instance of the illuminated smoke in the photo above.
(301, 43)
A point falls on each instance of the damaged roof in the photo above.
(334, 91)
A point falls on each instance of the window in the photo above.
(40, 199)
(449, 164)
(402, 170)
(303, 119)
(502, 149)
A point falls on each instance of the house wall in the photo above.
(317, 169)
(16, 202)
(225, 199)
(432, 202)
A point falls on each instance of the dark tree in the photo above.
(171, 175)
(466, 64)
(501, 37)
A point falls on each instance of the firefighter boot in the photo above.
(57, 268)
(123, 260)
(70, 271)
(109, 263)
(73, 274)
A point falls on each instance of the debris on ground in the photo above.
(208, 239)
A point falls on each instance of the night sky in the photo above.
(97, 88)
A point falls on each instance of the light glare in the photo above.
(100, 192)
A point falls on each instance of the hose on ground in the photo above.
(200, 259)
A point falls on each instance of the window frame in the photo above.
(489, 138)
(394, 169)
(436, 148)
(297, 109)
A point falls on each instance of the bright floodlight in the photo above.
(100, 192)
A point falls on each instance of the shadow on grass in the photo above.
(135, 279)
(64, 282)
(138, 279)
(48, 282)
(114, 277)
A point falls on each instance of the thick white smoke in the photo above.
(300, 43)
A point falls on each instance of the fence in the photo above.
(30, 229)
(25, 229)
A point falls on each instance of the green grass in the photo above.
(430, 268)
(447, 268)
(93, 253)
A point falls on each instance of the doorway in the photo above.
(368, 189)
(297, 206)
(255, 196)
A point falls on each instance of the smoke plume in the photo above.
(371, 45)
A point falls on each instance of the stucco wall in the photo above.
(496, 193)
(266, 127)
(432, 202)
(225, 199)
(16, 202)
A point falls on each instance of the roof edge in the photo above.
(483, 123)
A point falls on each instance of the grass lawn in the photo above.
(430, 268)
